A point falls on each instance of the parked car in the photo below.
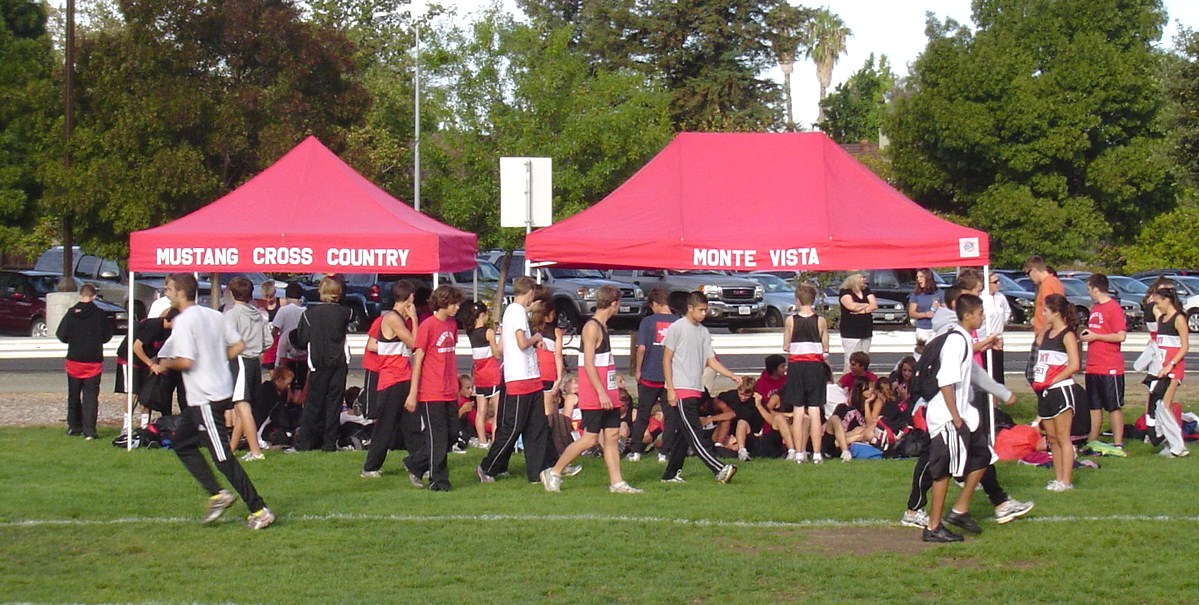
(778, 295)
(1077, 294)
(896, 285)
(735, 300)
(573, 290)
(1155, 273)
(357, 289)
(23, 303)
(1185, 285)
(111, 282)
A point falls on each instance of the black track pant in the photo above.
(646, 398)
(83, 404)
(431, 453)
(388, 404)
(322, 409)
(689, 434)
(215, 436)
(519, 415)
(922, 480)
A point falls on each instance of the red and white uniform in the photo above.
(546, 360)
(1168, 344)
(370, 359)
(439, 370)
(395, 360)
(806, 344)
(1050, 370)
(605, 367)
(486, 369)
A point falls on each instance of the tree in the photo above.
(1168, 240)
(827, 39)
(854, 112)
(788, 28)
(523, 91)
(188, 99)
(28, 105)
(1182, 90)
(1040, 126)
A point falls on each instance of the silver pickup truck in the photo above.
(574, 290)
(735, 300)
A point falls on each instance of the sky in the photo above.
(890, 27)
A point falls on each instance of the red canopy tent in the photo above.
(308, 212)
(746, 202)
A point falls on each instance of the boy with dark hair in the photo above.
(859, 367)
(805, 339)
(1105, 330)
(200, 346)
(599, 398)
(647, 371)
(85, 329)
(687, 351)
(435, 374)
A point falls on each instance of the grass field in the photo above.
(83, 522)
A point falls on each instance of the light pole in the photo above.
(787, 63)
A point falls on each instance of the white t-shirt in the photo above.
(957, 364)
(834, 396)
(997, 312)
(518, 364)
(202, 335)
(286, 320)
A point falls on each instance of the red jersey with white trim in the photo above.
(486, 368)
(370, 359)
(1105, 357)
(806, 344)
(395, 360)
(546, 361)
(439, 370)
(605, 367)
(1052, 359)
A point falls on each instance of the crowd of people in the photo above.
(520, 396)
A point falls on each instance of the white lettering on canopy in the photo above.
(710, 257)
(794, 257)
(181, 257)
(367, 257)
(282, 255)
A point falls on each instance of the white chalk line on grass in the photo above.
(801, 524)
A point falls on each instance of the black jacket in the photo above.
(85, 329)
(322, 331)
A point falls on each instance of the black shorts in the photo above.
(958, 453)
(1105, 391)
(547, 386)
(1053, 401)
(487, 391)
(805, 386)
(596, 420)
(247, 375)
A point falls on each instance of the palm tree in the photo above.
(827, 37)
(787, 30)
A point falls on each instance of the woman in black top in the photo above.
(857, 321)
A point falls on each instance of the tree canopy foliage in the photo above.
(854, 111)
(1040, 125)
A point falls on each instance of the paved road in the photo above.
(35, 365)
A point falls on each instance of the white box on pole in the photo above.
(526, 192)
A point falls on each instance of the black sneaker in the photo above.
(963, 521)
(941, 534)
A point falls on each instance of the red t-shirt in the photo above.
(370, 359)
(846, 380)
(767, 386)
(1105, 357)
(439, 370)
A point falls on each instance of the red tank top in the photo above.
(486, 368)
(605, 367)
(395, 360)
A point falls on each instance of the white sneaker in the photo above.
(726, 474)
(846, 456)
(633, 457)
(623, 488)
(817, 458)
(677, 478)
(801, 457)
(914, 518)
(1011, 509)
(743, 454)
(1061, 487)
(791, 455)
(551, 481)
(661, 458)
(251, 456)
(572, 470)
(260, 519)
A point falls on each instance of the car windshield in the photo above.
(487, 272)
(1129, 285)
(770, 283)
(44, 284)
(1074, 287)
(576, 274)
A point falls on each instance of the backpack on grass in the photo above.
(924, 377)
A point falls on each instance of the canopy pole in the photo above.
(475, 278)
(128, 367)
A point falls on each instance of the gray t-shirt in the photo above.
(692, 347)
(202, 335)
